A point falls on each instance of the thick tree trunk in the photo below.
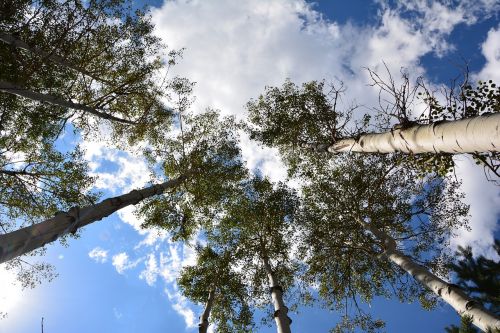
(54, 100)
(203, 325)
(280, 310)
(450, 293)
(12, 40)
(470, 135)
(19, 242)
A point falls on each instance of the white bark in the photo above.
(470, 135)
(12, 40)
(54, 100)
(203, 325)
(27, 239)
(449, 293)
(280, 310)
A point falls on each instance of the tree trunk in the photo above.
(203, 325)
(54, 100)
(280, 314)
(12, 40)
(450, 293)
(470, 135)
(19, 242)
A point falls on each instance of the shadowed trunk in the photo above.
(22, 241)
(280, 310)
(54, 100)
(470, 135)
(449, 293)
(203, 325)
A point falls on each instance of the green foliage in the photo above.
(231, 311)
(293, 115)
(313, 117)
(207, 152)
(347, 262)
(468, 101)
(258, 222)
(465, 102)
(291, 118)
(111, 62)
(362, 321)
(95, 53)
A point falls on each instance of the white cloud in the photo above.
(182, 306)
(99, 255)
(11, 292)
(491, 51)
(151, 272)
(484, 200)
(122, 172)
(122, 263)
(118, 315)
(177, 256)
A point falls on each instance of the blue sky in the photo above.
(116, 278)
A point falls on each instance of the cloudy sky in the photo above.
(118, 278)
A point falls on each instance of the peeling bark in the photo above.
(54, 100)
(469, 135)
(22, 241)
(12, 40)
(280, 310)
(449, 293)
(203, 325)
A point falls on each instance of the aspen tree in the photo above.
(368, 209)
(295, 119)
(258, 225)
(214, 283)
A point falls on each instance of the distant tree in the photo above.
(214, 282)
(465, 326)
(479, 276)
(258, 225)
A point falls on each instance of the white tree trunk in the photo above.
(12, 40)
(54, 100)
(449, 293)
(280, 310)
(19, 242)
(470, 135)
(203, 325)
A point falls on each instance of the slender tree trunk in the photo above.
(12, 40)
(54, 100)
(281, 311)
(19, 242)
(450, 293)
(470, 135)
(203, 325)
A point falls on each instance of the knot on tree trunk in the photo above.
(277, 313)
(137, 194)
(74, 215)
(470, 304)
(273, 288)
(389, 244)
